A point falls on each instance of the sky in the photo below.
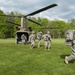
(64, 11)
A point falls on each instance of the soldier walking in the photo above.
(47, 39)
(71, 36)
(39, 37)
(32, 39)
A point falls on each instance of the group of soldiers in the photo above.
(70, 41)
(46, 37)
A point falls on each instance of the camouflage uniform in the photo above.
(32, 39)
(16, 39)
(47, 39)
(70, 41)
(39, 37)
(23, 38)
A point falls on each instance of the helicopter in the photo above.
(23, 30)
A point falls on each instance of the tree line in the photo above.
(57, 28)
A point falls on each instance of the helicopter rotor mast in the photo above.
(23, 24)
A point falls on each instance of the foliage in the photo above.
(72, 23)
(3, 25)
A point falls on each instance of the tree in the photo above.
(62, 26)
(72, 23)
(3, 25)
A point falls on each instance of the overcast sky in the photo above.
(64, 11)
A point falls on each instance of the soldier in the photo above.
(32, 39)
(47, 39)
(23, 38)
(70, 41)
(39, 37)
(16, 41)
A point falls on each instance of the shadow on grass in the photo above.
(63, 57)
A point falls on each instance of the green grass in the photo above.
(18, 59)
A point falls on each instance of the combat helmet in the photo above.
(48, 32)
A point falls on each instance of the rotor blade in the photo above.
(40, 10)
(34, 22)
(13, 23)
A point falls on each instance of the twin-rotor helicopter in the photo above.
(23, 29)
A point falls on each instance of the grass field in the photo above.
(18, 59)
